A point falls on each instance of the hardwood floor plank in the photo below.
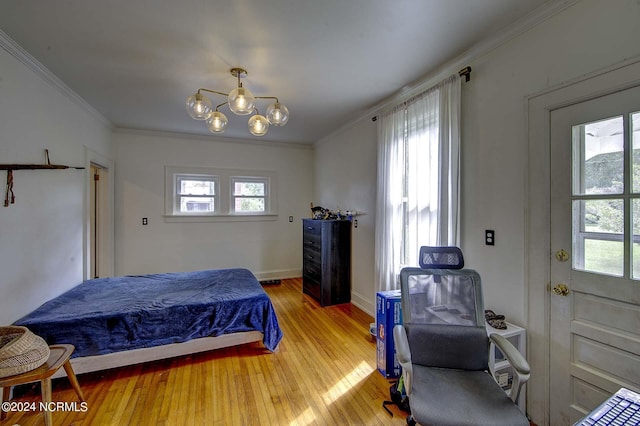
(208, 401)
(322, 373)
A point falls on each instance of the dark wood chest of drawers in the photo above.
(326, 260)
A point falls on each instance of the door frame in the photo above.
(537, 214)
(107, 241)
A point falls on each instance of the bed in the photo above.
(126, 320)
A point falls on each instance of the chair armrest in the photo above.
(404, 355)
(520, 366)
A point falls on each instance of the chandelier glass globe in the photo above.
(258, 125)
(217, 122)
(241, 101)
(277, 114)
(199, 106)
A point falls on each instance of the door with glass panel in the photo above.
(594, 303)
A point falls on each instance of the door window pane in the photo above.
(598, 157)
(635, 142)
(598, 236)
(635, 246)
(605, 257)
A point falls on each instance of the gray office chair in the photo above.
(443, 347)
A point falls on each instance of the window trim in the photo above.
(224, 207)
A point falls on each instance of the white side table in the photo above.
(499, 366)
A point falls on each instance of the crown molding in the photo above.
(206, 138)
(483, 47)
(15, 50)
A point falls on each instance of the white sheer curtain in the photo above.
(418, 179)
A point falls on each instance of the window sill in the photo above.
(219, 218)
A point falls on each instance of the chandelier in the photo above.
(241, 102)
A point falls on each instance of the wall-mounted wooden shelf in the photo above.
(11, 167)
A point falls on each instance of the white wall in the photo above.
(345, 179)
(270, 249)
(41, 235)
(587, 36)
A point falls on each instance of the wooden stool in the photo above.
(59, 357)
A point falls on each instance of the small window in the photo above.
(196, 194)
(249, 195)
(212, 195)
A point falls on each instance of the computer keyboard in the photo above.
(621, 409)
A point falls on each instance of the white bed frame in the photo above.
(87, 364)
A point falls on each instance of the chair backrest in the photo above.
(436, 295)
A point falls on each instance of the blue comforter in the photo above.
(114, 314)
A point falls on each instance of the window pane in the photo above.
(605, 216)
(248, 188)
(598, 232)
(635, 141)
(598, 157)
(247, 205)
(605, 257)
(635, 246)
(197, 204)
(197, 187)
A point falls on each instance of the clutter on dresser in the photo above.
(322, 213)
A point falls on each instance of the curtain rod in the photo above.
(464, 72)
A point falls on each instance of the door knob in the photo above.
(562, 255)
(560, 290)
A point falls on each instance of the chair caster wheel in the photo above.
(410, 421)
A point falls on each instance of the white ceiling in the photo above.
(329, 61)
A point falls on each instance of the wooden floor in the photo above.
(323, 373)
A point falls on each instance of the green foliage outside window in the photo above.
(604, 175)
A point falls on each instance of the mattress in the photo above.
(108, 315)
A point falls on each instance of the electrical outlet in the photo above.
(355, 223)
(145, 221)
(490, 237)
(290, 218)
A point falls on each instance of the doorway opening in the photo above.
(99, 229)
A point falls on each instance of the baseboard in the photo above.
(363, 303)
(278, 274)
